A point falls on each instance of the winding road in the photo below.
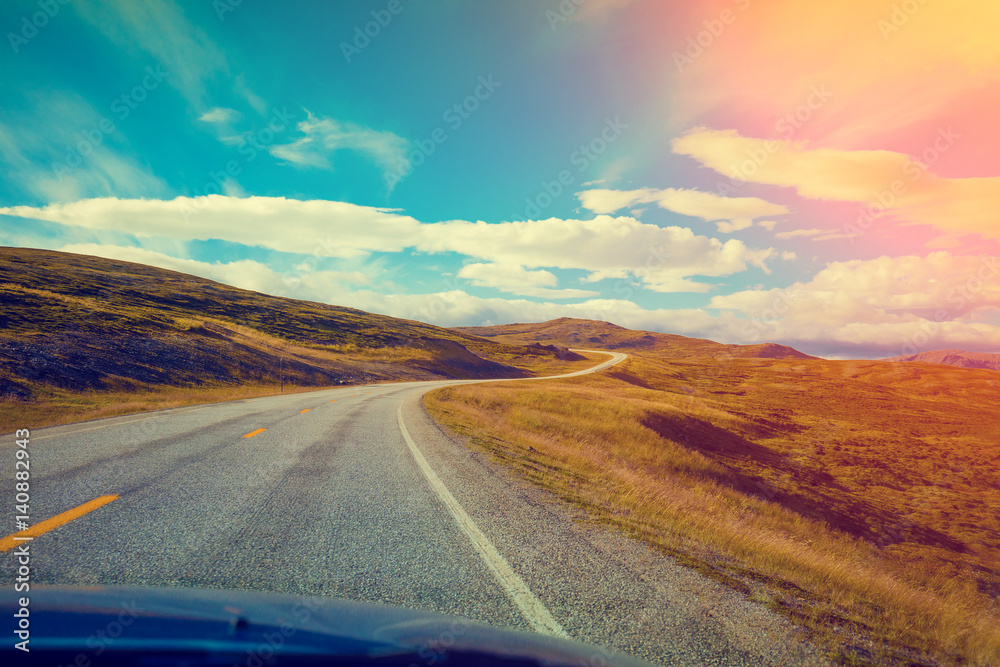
(355, 492)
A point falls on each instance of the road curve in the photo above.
(355, 492)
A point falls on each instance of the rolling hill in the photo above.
(959, 358)
(576, 332)
(73, 326)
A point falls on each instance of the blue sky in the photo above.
(464, 162)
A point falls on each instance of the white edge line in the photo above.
(537, 615)
(531, 607)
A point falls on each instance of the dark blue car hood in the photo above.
(93, 626)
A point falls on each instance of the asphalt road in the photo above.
(354, 492)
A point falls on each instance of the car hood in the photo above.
(258, 628)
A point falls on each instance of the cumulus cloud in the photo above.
(881, 181)
(894, 304)
(733, 213)
(661, 258)
(515, 279)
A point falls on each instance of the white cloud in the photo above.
(304, 283)
(734, 213)
(253, 99)
(194, 65)
(219, 115)
(814, 233)
(882, 182)
(323, 136)
(794, 233)
(661, 258)
(328, 229)
(161, 30)
(516, 279)
(734, 225)
(891, 304)
(47, 155)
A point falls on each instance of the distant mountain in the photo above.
(960, 358)
(572, 332)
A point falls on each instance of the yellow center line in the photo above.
(11, 541)
(306, 410)
(253, 433)
(334, 401)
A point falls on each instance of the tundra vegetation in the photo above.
(85, 337)
(860, 499)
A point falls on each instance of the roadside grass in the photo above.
(859, 499)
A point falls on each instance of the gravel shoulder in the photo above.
(603, 587)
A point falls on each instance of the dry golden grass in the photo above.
(861, 499)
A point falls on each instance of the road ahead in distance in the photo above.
(354, 492)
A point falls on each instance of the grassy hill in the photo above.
(959, 358)
(604, 335)
(85, 336)
(859, 498)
